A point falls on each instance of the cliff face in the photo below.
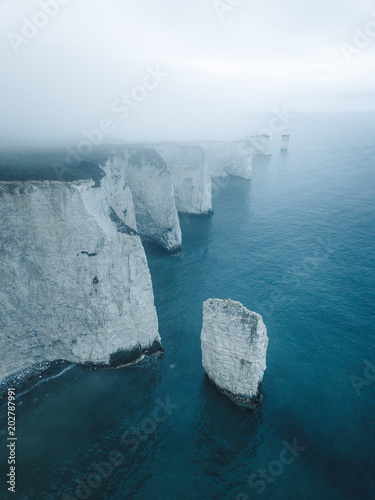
(231, 157)
(234, 346)
(150, 182)
(74, 280)
(191, 179)
(261, 144)
(194, 164)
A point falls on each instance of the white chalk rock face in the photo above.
(74, 280)
(261, 144)
(152, 189)
(191, 179)
(229, 157)
(234, 347)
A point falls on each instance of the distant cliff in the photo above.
(194, 164)
(151, 185)
(230, 157)
(191, 179)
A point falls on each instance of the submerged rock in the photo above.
(234, 347)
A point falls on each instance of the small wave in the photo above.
(40, 382)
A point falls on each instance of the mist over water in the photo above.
(67, 66)
(296, 244)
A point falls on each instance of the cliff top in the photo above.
(51, 164)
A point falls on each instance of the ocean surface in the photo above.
(295, 244)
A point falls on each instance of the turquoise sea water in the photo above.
(297, 245)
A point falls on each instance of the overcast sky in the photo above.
(218, 66)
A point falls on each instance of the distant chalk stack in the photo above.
(284, 142)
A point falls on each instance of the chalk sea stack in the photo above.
(284, 142)
(234, 347)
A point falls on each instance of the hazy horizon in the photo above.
(202, 70)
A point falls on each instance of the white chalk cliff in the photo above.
(261, 144)
(191, 179)
(229, 157)
(194, 164)
(153, 192)
(74, 280)
(234, 347)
